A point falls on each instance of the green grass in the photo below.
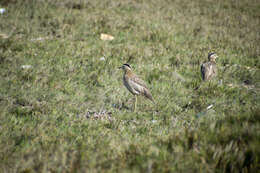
(48, 112)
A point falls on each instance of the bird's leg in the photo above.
(135, 102)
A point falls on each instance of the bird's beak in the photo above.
(120, 67)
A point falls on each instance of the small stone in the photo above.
(2, 10)
(26, 66)
(102, 58)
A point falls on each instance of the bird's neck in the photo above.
(128, 72)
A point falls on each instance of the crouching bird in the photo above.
(209, 69)
(134, 84)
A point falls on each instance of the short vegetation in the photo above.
(64, 107)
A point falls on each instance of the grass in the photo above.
(67, 110)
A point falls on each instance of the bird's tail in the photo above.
(148, 95)
(151, 98)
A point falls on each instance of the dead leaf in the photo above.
(4, 36)
(230, 85)
(106, 37)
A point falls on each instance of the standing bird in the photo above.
(209, 69)
(134, 84)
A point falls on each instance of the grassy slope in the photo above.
(43, 126)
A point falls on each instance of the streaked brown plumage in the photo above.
(134, 84)
(209, 69)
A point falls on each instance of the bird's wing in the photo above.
(203, 71)
(139, 85)
(138, 81)
(207, 70)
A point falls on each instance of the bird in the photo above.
(134, 84)
(209, 69)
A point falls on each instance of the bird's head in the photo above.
(125, 67)
(212, 56)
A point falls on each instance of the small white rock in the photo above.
(102, 58)
(2, 10)
(154, 121)
(26, 66)
(210, 106)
